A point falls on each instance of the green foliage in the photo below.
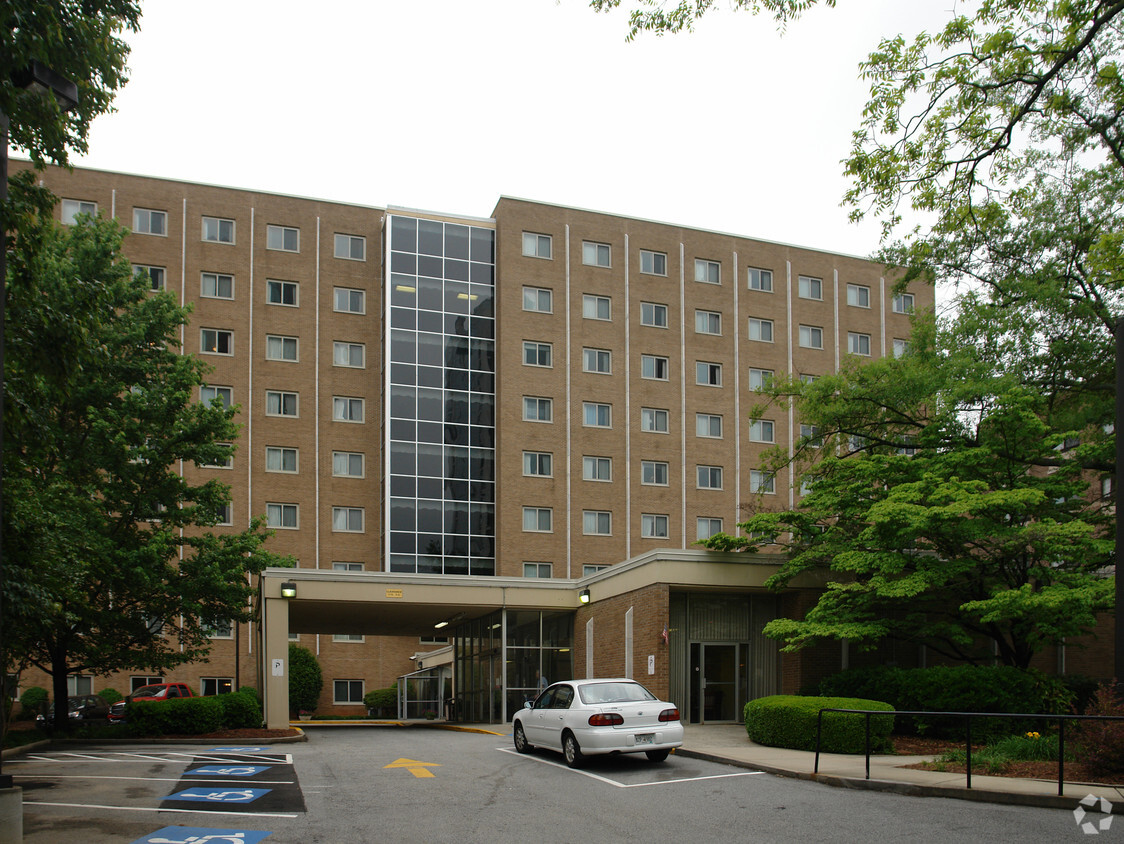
(251, 690)
(305, 679)
(656, 16)
(960, 688)
(33, 702)
(1102, 742)
(79, 41)
(240, 710)
(790, 721)
(382, 699)
(996, 757)
(1082, 689)
(110, 696)
(187, 716)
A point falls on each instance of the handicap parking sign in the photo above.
(227, 771)
(220, 795)
(200, 835)
(235, 750)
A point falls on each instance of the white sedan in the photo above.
(587, 717)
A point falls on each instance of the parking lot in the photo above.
(394, 784)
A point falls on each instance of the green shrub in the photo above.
(790, 721)
(382, 699)
(241, 710)
(110, 696)
(305, 679)
(189, 716)
(251, 690)
(34, 702)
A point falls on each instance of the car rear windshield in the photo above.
(614, 693)
(150, 691)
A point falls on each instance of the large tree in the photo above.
(110, 563)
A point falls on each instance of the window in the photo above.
(761, 431)
(207, 394)
(216, 341)
(653, 420)
(223, 629)
(811, 337)
(597, 523)
(155, 275)
(433, 640)
(538, 569)
(348, 409)
(71, 208)
(278, 347)
(653, 314)
(809, 288)
(282, 516)
(900, 347)
(806, 484)
(347, 691)
(538, 464)
(280, 403)
(708, 322)
(593, 568)
(653, 472)
(597, 415)
(597, 360)
(708, 425)
(761, 482)
(538, 519)
(902, 303)
(653, 526)
(287, 293)
(223, 462)
(706, 527)
(708, 271)
(536, 409)
(349, 300)
(806, 378)
(347, 519)
(760, 379)
(653, 366)
(858, 296)
(225, 514)
(708, 374)
(284, 238)
(348, 637)
(215, 686)
(760, 280)
(761, 330)
(597, 469)
(280, 459)
(218, 230)
(217, 286)
(595, 254)
(538, 299)
(139, 682)
(347, 464)
(709, 477)
(348, 567)
(536, 354)
(352, 247)
(596, 307)
(536, 245)
(811, 435)
(653, 263)
(79, 684)
(147, 221)
(348, 354)
(858, 344)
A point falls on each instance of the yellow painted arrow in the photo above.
(418, 769)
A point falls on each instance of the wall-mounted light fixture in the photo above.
(288, 589)
(440, 624)
(584, 596)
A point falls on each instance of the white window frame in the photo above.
(596, 518)
(654, 473)
(811, 337)
(536, 293)
(654, 526)
(708, 322)
(858, 343)
(346, 404)
(218, 230)
(593, 253)
(900, 347)
(704, 527)
(152, 273)
(213, 341)
(225, 515)
(760, 330)
(712, 376)
(811, 435)
(703, 268)
(142, 222)
(593, 568)
(809, 287)
(762, 483)
(348, 242)
(215, 282)
(282, 287)
(592, 306)
(538, 354)
(342, 350)
(280, 452)
(535, 461)
(536, 245)
(228, 463)
(708, 477)
(338, 294)
(540, 402)
(902, 303)
(759, 378)
(538, 516)
(345, 519)
(706, 424)
(653, 314)
(655, 367)
(762, 431)
(348, 459)
(277, 238)
(858, 296)
(349, 700)
(650, 418)
(653, 263)
(284, 343)
(596, 408)
(71, 208)
(220, 391)
(538, 570)
(342, 566)
(348, 637)
(597, 361)
(759, 279)
(283, 510)
(280, 396)
(596, 468)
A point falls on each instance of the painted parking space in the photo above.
(630, 771)
(217, 782)
(202, 835)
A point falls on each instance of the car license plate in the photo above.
(645, 738)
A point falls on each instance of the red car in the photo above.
(157, 691)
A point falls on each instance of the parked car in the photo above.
(87, 709)
(586, 717)
(156, 691)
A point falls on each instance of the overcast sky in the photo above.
(445, 105)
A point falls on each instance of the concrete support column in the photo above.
(275, 658)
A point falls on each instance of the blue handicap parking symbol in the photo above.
(200, 835)
(220, 795)
(227, 771)
(235, 750)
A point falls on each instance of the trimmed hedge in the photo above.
(194, 715)
(956, 688)
(33, 702)
(241, 710)
(790, 721)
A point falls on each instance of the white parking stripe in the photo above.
(626, 785)
(77, 755)
(207, 812)
(150, 779)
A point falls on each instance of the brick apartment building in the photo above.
(502, 414)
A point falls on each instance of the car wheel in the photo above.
(521, 743)
(656, 755)
(571, 751)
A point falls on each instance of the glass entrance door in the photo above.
(718, 682)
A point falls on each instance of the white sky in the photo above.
(447, 104)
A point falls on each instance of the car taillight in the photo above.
(605, 719)
(669, 715)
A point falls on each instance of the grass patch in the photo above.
(995, 758)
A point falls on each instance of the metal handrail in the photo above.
(967, 716)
